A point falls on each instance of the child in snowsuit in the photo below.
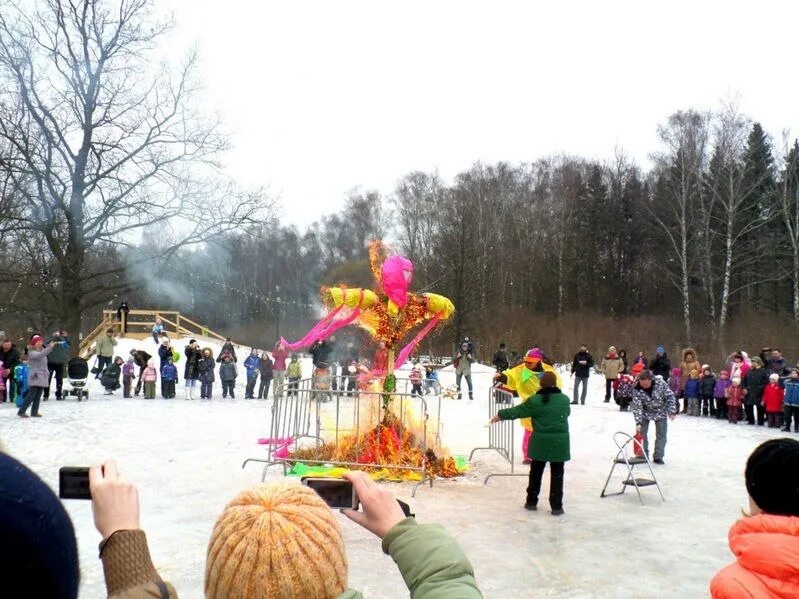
(253, 365)
(692, 393)
(720, 393)
(294, 372)
(128, 374)
(110, 376)
(21, 377)
(205, 367)
(707, 385)
(149, 377)
(791, 399)
(227, 374)
(169, 378)
(675, 384)
(773, 396)
(266, 370)
(624, 390)
(735, 399)
(416, 379)
(431, 380)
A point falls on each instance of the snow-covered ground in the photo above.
(186, 459)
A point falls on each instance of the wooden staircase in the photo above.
(138, 324)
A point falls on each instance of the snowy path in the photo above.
(186, 457)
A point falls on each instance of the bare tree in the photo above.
(684, 137)
(739, 211)
(788, 194)
(107, 143)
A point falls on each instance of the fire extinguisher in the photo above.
(638, 443)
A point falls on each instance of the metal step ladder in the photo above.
(625, 443)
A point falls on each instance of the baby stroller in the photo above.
(77, 373)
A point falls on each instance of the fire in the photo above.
(386, 448)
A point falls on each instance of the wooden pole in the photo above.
(390, 360)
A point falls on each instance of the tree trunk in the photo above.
(726, 278)
(686, 297)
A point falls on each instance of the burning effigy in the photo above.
(393, 438)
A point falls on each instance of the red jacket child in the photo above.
(773, 395)
(735, 394)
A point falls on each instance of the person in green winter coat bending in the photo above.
(549, 410)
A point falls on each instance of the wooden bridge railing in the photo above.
(139, 324)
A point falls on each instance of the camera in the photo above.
(337, 493)
(73, 483)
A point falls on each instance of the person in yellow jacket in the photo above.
(525, 381)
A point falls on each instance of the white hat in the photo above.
(774, 377)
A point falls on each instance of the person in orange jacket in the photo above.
(766, 541)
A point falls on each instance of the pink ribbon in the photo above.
(406, 351)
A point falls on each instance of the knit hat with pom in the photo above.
(276, 540)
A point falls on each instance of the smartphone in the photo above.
(73, 483)
(337, 493)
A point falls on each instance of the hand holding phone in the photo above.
(337, 493)
(381, 510)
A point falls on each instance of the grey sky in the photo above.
(324, 96)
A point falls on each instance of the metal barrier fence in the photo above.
(312, 423)
(501, 436)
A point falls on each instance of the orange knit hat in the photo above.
(276, 540)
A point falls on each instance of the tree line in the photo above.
(110, 188)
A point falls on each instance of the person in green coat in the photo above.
(279, 540)
(549, 410)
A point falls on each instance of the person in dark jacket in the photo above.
(581, 370)
(191, 373)
(205, 368)
(122, 316)
(641, 359)
(110, 376)
(661, 365)
(266, 371)
(140, 358)
(10, 357)
(500, 360)
(55, 363)
(707, 385)
(320, 353)
(227, 349)
(164, 356)
(755, 382)
(778, 365)
(549, 410)
(227, 374)
(653, 401)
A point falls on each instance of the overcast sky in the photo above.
(321, 97)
